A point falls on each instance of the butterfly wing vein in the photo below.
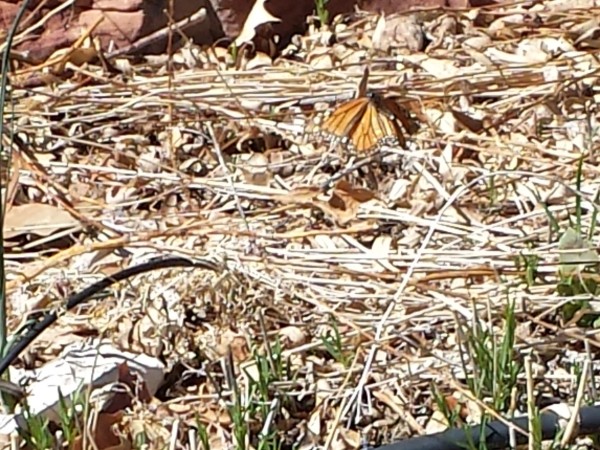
(367, 121)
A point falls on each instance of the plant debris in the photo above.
(345, 307)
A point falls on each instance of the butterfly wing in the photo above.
(391, 115)
(389, 128)
(366, 121)
(365, 135)
(344, 120)
(377, 124)
(400, 114)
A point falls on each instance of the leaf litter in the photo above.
(220, 157)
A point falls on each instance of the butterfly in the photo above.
(369, 120)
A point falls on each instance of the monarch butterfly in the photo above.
(368, 120)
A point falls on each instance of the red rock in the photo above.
(394, 6)
(126, 21)
(7, 13)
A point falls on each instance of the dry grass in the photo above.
(210, 160)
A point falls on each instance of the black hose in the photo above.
(33, 329)
(495, 434)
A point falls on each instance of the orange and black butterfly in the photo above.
(368, 120)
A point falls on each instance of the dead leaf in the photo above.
(344, 439)
(235, 343)
(258, 16)
(473, 125)
(379, 32)
(339, 202)
(437, 423)
(314, 424)
(251, 133)
(383, 247)
(259, 60)
(36, 218)
(103, 435)
(359, 194)
(350, 437)
(341, 207)
(441, 68)
(399, 32)
(292, 336)
(344, 202)
(78, 57)
(207, 413)
(321, 59)
(239, 349)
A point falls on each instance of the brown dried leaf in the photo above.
(341, 207)
(214, 414)
(466, 121)
(350, 437)
(344, 202)
(36, 218)
(78, 57)
(234, 342)
(359, 194)
(103, 435)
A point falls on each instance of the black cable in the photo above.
(35, 328)
(496, 435)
